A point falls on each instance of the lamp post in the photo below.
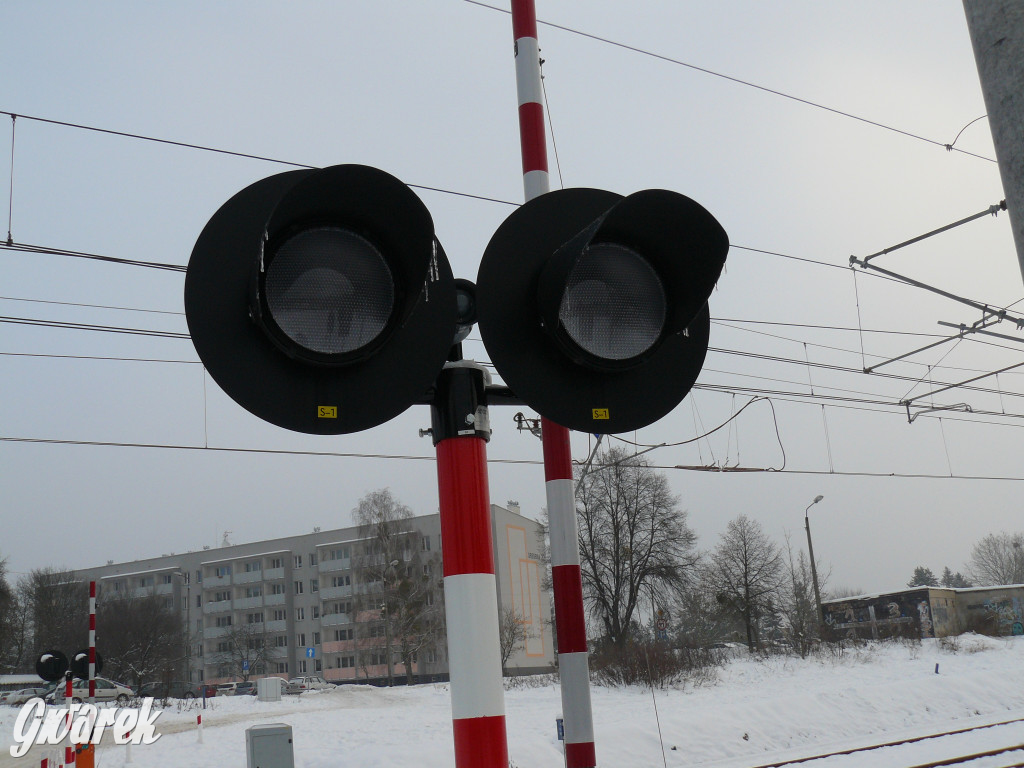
(387, 622)
(814, 571)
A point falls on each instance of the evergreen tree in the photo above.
(923, 577)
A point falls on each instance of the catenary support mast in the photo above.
(573, 664)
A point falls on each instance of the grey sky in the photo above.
(427, 92)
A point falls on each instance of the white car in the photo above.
(308, 683)
(106, 690)
(14, 698)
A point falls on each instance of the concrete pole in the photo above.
(997, 35)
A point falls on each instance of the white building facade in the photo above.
(301, 596)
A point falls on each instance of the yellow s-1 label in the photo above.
(327, 412)
(601, 414)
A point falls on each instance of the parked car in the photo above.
(176, 689)
(16, 698)
(226, 689)
(247, 688)
(308, 683)
(106, 690)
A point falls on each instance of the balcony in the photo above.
(327, 593)
(218, 607)
(248, 577)
(270, 574)
(249, 602)
(326, 566)
(217, 581)
(274, 599)
(216, 631)
(335, 619)
(276, 626)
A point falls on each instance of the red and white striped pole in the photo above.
(92, 642)
(460, 429)
(573, 663)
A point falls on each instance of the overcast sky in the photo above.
(426, 91)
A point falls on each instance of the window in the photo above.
(428, 570)
(377, 630)
(302, 666)
(312, 561)
(281, 641)
(298, 561)
(222, 570)
(282, 666)
(300, 639)
(167, 578)
(223, 621)
(118, 586)
(277, 589)
(253, 591)
(300, 614)
(341, 581)
(280, 615)
(316, 638)
(146, 581)
(254, 618)
(199, 651)
(347, 661)
(314, 585)
(298, 587)
(223, 647)
(318, 666)
(428, 598)
(425, 543)
(168, 602)
(316, 611)
(277, 562)
(199, 577)
(431, 656)
(341, 553)
(219, 597)
(199, 601)
(253, 566)
(343, 634)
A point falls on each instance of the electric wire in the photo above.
(245, 155)
(739, 81)
(92, 306)
(26, 248)
(91, 327)
(525, 462)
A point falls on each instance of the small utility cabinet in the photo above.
(269, 746)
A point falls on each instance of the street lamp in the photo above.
(387, 622)
(814, 570)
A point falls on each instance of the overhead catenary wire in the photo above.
(232, 153)
(740, 81)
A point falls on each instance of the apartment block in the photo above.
(313, 603)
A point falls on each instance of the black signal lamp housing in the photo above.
(321, 301)
(593, 306)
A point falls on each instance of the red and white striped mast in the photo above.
(573, 664)
(460, 429)
(92, 642)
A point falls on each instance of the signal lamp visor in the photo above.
(614, 305)
(328, 294)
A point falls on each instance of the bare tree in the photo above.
(399, 586)
(142, 638)
(57, 603)
(242, 651)
(634, 541)
(796, 598)
(998, 559)
(513, 634)
(14, 627)
(746, 570)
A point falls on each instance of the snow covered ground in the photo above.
(756, 711)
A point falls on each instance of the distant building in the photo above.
(928, 612)
(303, 594)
